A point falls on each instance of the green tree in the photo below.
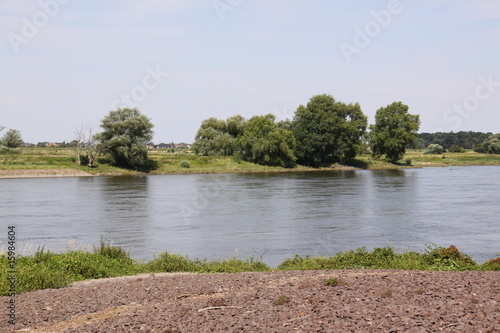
(394, 129)
(214, 137)
(434, 149)
(12, 139)
(263, 142)
(327, 130)
(490, 146)
(124, 137)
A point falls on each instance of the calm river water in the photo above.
(271, 216)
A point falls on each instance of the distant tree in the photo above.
(327, 130)
(394, 129)
(434, 149)
(456, 149)
(12, 139)
(263, 142)
(124, 137)
(490, 145)
(217, 137)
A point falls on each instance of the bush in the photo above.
(7, 150)
(434, 149)
(185, 164)
(456, 149)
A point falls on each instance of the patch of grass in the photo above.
(334, 282)
(281, 300)
(45, 269)
(435, 258)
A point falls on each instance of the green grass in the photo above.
(46, 269)
(433, 258)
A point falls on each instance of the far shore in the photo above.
(67, 172)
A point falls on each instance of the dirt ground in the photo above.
(296, 301)
(43, 173)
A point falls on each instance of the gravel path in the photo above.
(297, 301)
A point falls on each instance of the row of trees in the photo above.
(466, 140)
(321, 132)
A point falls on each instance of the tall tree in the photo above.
(12, 138)
(263, 142)
(327, 130)
(124, 136)
(394, 129)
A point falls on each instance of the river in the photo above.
(271, 216)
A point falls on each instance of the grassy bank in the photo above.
(45, 269)
(175, 163)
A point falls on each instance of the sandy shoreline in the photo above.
(42, 173)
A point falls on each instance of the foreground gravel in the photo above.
(297, 301)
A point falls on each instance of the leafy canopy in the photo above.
(218, 137)
(394, 129)
(264, 142)
(125, 135)
(12, 138)
(327, 130)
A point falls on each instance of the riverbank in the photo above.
(52, 162)
(295, 301)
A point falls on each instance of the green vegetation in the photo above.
(46, 269)
(281, 300)
(437, 259)
(11, 139)
(264, 142)
(124, 138)
(490, 146)
(326, 129)
(334, 282)
(466, 140)
(394, 129)
(434, 149)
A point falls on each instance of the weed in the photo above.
(333, 282)
(281, 300)
(387, 293)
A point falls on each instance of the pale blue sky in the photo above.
(248, 57)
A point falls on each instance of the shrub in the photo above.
(185, 164)
(456, 149)
(6, 150)
(434, 149)
(491, 265)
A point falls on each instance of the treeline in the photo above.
(466, 140)
(323, 132)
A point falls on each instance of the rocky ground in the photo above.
(296, 301)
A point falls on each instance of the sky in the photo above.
(64, 63)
